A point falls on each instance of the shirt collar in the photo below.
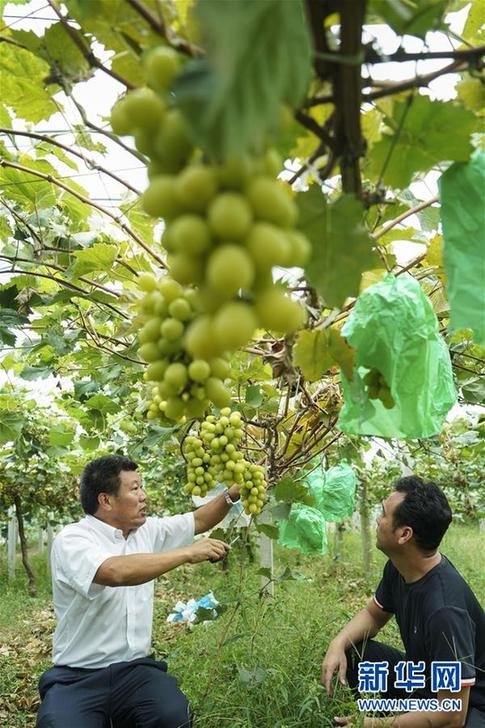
(114, 534)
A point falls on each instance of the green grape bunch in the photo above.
(378, 388)
(227, 224)
(182, 386)
(213, 457)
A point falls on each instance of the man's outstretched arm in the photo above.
(365, 624)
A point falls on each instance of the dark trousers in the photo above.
(135, 694)
(372, 651)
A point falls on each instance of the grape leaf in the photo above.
(410, 18)
(342, 248)
(98, 258)
(259, 56)
(432, 132)
(21, 81)
(311, 353)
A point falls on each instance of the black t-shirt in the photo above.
(439, 618)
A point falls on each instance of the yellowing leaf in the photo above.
(369, 277)
(312, 354)
(434, 254)
(472, 92)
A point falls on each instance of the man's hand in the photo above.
(334, 661)
(343, 721)
(207, 549)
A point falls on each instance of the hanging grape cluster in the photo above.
(213, 457)
(183, 385)
(226, 225)
(378, 388)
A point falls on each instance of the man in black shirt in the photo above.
(439, 618)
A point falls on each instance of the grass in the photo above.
(258, 664)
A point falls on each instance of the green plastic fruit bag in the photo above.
(462, 193)
(393, 329)
(305, 529)
(334, 491)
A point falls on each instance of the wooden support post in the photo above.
(12, 543)
(50, 538)
(266, 554)
(365, 531)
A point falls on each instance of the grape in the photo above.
(150, 331)
(174, 408)
(184, 268)
(176, 375)
(230, 216)
(219, 368)
(144, 141)
(195, 187)
(147, 282)
(199, 370)
(378, 388)
(300, 248)
(229, 269)
(121, 121)
(268, 245)
(156, 370)
(150, 352)
(172, 329)
(190, 234)
(180, 309)
(170, 289)
(234, 325)
(213, 457)
(217, 392)
(271, 202)
(161, 65)
(199, 339)
(172, 144)
(235, 173)
(145, 109)
(159, 199)
(279, 312)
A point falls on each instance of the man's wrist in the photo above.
(231, 495)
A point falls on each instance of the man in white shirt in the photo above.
(103, 571)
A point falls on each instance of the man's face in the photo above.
(387, 538)
(128, 506)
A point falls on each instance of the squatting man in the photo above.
(439, 617)
(103, 569)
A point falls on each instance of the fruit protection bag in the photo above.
(393, 329)
(333, 491)
(463, 217)
(305, 529)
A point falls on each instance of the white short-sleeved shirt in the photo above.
(99, 625)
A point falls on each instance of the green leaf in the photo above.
(474, 391)
(410, 18)
(254, 396)
(292, 491)
(89, 443)
(11, 425)
(21, 81)
(63, 56)
(266, 572)
(31, 373)
(256, 676)
(432, 132)
(100, 257)
(289, 575)
(268, 530)
(259, 56)
(102, 403)
(311, 353)
(10, 319)
(60, 436)
(342, 248)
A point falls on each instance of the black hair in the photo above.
(102, 476)
(425, 509)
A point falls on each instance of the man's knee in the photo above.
(159, 714)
